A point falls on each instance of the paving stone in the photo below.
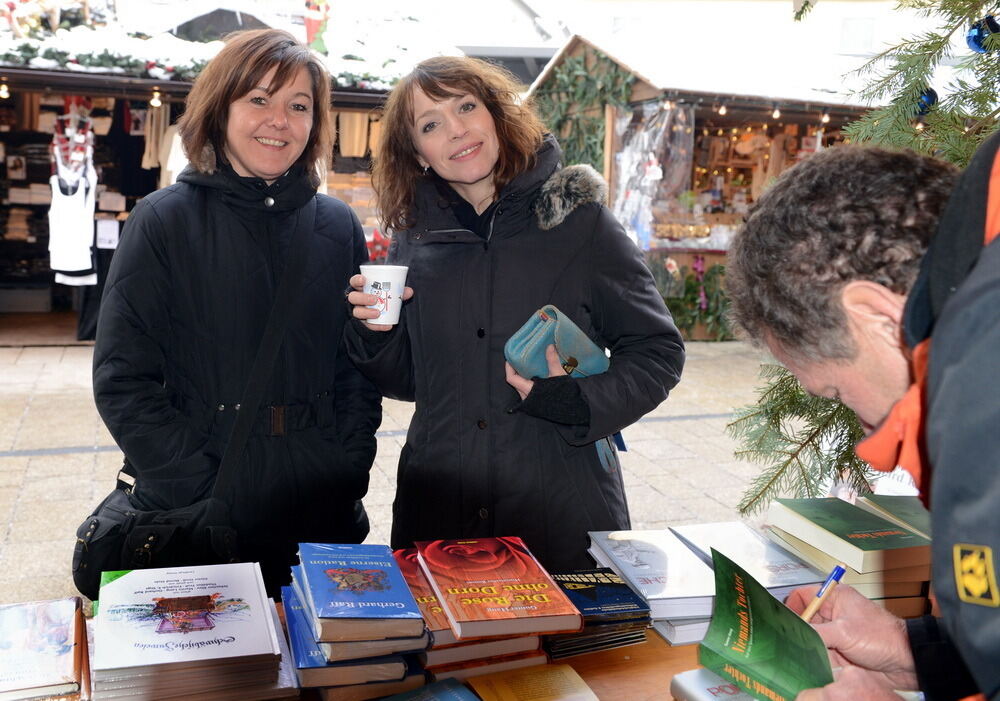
(65, 464)
(673, 488)
(48, 486)
(37, 355)
(389, 446)
(661, 449)
(37, 521)
(15, 588)
(12, 471)
(38, 559)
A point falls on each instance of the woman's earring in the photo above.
(426, 169)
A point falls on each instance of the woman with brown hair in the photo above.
(493, 228)
(187, 301)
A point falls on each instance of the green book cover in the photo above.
(759, 643)
(860, 528)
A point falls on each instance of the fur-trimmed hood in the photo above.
(566, 190)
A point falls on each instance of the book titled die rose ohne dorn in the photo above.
(495, 586)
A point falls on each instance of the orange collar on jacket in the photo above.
(899, 440)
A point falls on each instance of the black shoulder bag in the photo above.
(117, 536)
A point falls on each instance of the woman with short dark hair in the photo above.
(493, 228)
(188, 297)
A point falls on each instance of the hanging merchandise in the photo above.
(352, 134)
(172, 157)
(74, 186)
(976, 37)
(154, 128)
(654, 165)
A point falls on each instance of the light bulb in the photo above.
(4, 91)
(776, 114)
(825, 118)
(155, 101)
(722, 109)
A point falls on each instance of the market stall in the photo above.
(684, 164)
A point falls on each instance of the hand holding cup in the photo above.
(378, 294)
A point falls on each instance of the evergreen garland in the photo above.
(804, 442)
(571, 103)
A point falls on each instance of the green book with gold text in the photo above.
(852, 535)
(757, 642)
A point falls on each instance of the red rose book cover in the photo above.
(495, 586)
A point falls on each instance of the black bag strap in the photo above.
(274, 333)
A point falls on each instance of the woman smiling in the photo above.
(492, 228)
(188, 298)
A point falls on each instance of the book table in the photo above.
(637, 672)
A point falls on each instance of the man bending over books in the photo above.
(836, 274)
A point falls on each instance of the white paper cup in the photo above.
(385, 282)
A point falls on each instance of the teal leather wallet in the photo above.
(579, 356)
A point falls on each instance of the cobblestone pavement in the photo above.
(57, 459)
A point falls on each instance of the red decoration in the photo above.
(378, 247)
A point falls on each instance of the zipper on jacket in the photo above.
(419, 235)
(496, 211)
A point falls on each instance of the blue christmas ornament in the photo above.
(976, 37)
(927, 99)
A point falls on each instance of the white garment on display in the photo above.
(71, 226)
(71, 216)
(155, 130)
(172, 157)
(79, 281)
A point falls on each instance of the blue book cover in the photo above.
(355, 581)
(601, 595)
(449, 689)
(308, 655)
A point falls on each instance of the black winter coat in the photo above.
(471, 466)
(186, 302)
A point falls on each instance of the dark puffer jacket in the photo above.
(186, 302)
(471, 466)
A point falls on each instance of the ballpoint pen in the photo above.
(824, 591)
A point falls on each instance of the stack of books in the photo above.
(185, 632)
(286, 686)
(489, 589)
(672, 570)
(43, 650)
(613, 615)
(445, 648)
(886, 561)
(350, 618)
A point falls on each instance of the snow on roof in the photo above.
(729, 47)
(164, 49)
